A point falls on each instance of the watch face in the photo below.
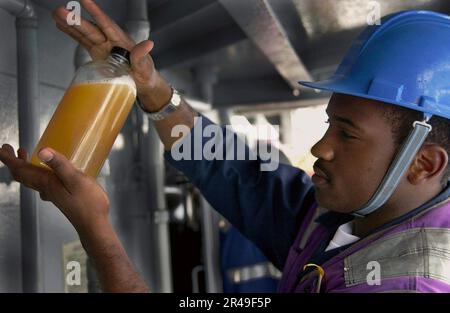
(176, 99)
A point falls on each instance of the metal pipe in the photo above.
(211, 247)
(28, 111)
(137, 24)
(155, 181)
(138, 27)
(207, 76)
(19, 8)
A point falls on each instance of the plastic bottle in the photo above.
(91, 114)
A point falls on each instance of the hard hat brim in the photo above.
(341, 86)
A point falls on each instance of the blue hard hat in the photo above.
(404, 61)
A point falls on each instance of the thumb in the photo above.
(62, 167)
(140, 52)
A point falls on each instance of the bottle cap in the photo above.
(121, 52)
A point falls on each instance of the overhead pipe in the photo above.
(28, 111)
(137, 23)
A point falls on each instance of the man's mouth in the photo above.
(320, 178)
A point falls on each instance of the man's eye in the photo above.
(347, 135)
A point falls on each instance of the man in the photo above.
(376, 216)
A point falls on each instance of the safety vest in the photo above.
(413, 256)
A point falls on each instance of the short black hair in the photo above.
(402, 120)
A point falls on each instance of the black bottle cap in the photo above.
(121, 52)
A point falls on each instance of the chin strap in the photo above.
(398, 168)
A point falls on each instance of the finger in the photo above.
(88, 30)
(62, 167)
(105, 23)
(8, 149)
(23, 154)
(76, 35)
(22, 171)
(140, 53)
(31, 176)
(142, 66)
(7, 155)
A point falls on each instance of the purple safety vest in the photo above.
(413, 256)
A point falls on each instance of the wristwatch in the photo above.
(169, 108)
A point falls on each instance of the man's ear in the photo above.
(429, 163)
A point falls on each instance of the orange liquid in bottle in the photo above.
(87, 122)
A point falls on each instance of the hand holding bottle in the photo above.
(99, 38)
(153, 91)
(78, 196)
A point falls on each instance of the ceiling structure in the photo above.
(256, 50)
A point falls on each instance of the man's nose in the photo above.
(323, 149)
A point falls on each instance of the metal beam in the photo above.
(171, 12)
(324, 54)
(258, 20)
(288, 16)
(256, 92)
(182, 29)
(200, 46)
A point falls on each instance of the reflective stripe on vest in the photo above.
(257, 271)
(422, 252)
